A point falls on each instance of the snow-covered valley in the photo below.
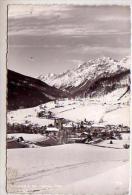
(109, 107)
(75, 144)
(101, 169)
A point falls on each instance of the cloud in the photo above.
(65, 29)
(20, 11)
(98, 49)
(114, 18)
(37, 46)
(63, 36)
(67, 20)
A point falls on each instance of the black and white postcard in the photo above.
(68, 98)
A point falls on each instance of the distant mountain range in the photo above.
(25, 91)
(94, 77)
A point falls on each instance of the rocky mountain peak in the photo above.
(90, 70)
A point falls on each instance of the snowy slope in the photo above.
(126, 62)
(94, 112)
(27, 116)
(50, 173)
(109, 107)
(114, 181)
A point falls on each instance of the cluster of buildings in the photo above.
(64, 131)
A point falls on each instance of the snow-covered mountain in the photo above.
(93, 75)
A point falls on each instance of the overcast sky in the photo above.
(53, 38)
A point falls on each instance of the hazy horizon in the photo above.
(53, 38)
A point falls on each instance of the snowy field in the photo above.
(75, 110)
(94, 112)
(116, 143)
(68, 169)
(20, 116)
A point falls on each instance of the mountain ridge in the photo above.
(25, 91)
(82, 79)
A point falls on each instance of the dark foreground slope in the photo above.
(25, 91)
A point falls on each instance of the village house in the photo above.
(44, 114)
(52, 131)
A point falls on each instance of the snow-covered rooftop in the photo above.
(98, 125)
(68, 125)
(52, 129)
